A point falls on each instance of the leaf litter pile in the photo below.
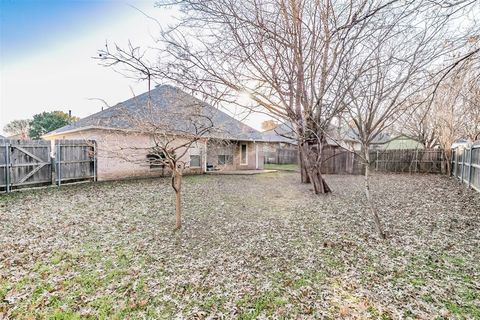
(251, 247)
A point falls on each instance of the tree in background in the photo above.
(451, 114)
(18, 128)
(269, 125)
(48, 121)
(420, 125)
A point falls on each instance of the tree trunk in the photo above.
(313, 171)
(304, 178)
(177, 186)
(447, 154)
(373, 210)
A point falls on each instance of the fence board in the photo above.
(340, 161)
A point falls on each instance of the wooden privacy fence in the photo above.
(337, 160)
(340, 161)
(466, 165)
(28, 163)
(281, 156)
(408, 160)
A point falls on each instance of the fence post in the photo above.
(59, 164)
(7, 167)
(470, 167)
(376, 162)
(52, 169)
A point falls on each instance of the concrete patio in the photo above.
(240, 172)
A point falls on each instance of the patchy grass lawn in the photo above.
(252, 247)
(284, 167)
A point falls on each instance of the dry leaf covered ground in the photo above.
(251, 247)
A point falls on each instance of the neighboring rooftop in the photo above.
(168, 102)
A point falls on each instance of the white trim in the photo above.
(246, 154)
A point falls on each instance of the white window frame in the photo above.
(246, 154)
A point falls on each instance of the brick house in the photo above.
(122, 152)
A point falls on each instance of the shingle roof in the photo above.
(168, 100)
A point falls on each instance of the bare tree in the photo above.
(452, 113)
(471, 99)
(172, 130)
(420, 125)
(404, 46)
(291, 57)
(18, 127)
(456, 111)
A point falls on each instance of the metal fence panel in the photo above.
(466, 165)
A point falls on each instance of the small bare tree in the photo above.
(173, 129)
(396, 60)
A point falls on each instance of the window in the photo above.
(243, 154)
(195, 157)
(225, 159)
(225, 155)
(156, 160)
(195, 161)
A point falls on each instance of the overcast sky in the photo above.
(46, 50)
